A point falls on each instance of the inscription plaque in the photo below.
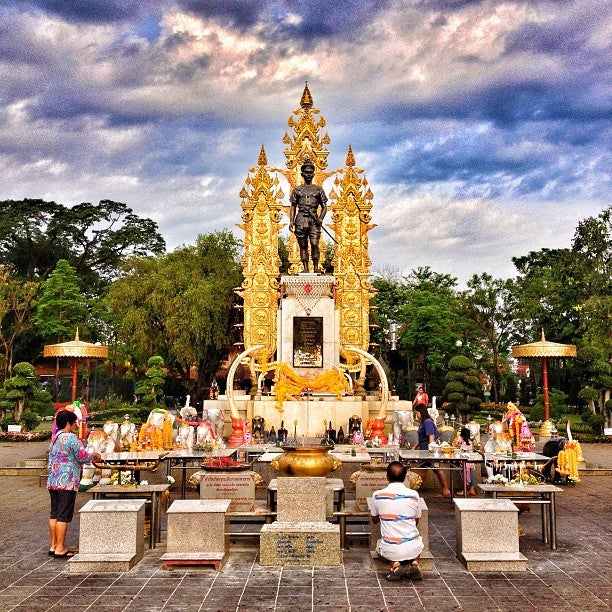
(308, 342)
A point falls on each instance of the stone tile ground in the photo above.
(577, 576)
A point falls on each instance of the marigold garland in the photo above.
(289, 384)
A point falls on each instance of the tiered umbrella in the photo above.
(545, 350)
(76, 349)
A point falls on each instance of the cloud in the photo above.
(476, 122)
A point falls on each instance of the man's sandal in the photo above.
(397, 573)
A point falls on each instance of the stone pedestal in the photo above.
(197, 533)
(488, 535)
(301, 499)
(300, 544)
(301, 535)
(111, 537)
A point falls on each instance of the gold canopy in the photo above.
(544, 348)
(76, 348)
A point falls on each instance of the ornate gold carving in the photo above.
(262, 209)
(351, 203)
(261, 201)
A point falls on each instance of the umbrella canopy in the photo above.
(76, 349)
(544, 350)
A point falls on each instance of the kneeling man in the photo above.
(398, 510)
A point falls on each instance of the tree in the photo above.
(430, 324)
(151, 388)
(16, 298)
(492, 305)
(94, 238)
(22, 391)
(61, 306)
(463, 386)
(180, 306)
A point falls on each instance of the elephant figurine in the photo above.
(401, 420)
(216, 417)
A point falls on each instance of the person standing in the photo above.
(428, 433)
(397, 509)
(66, 459)
(420, 398)
(464, 443)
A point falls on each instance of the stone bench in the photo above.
(197, 533)
(488, 535)
(111, 537)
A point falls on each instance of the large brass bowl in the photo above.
(312, 460)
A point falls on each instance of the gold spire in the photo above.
(262, 160)
(350, 158)
(306, 101)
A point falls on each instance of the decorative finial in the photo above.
(306, 101)
(350, 158)
(262, 160)
(76, 335)
(543, 338)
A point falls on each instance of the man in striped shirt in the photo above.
(397, 509)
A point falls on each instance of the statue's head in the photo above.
(308, 170)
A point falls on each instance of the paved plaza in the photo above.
(576, 576)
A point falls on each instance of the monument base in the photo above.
(289, 543)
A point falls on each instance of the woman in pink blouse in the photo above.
(66, 458)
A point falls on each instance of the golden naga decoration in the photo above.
(261, 201)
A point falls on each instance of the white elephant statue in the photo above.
(216, 417)
(186, 436)
(205, 434)
(127, 433)
(100, 442)
(401, 420)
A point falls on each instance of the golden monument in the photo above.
(279, 308)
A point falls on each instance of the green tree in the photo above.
(492, 305)
(61, 306)
(23, 393)
(430, 324)
(151, 387)
(94, 238)
(463, 386)
(16, 298)
(180, 306)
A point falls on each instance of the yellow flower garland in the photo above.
(289, 384)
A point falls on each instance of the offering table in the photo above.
(184, 459)
(453, 463)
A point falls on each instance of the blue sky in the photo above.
(483, 126)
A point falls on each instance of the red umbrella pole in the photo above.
(545, 389)
(74, 380)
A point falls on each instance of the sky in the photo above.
(483, 126)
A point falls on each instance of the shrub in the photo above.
(29, 420)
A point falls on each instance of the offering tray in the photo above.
(218, 465)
